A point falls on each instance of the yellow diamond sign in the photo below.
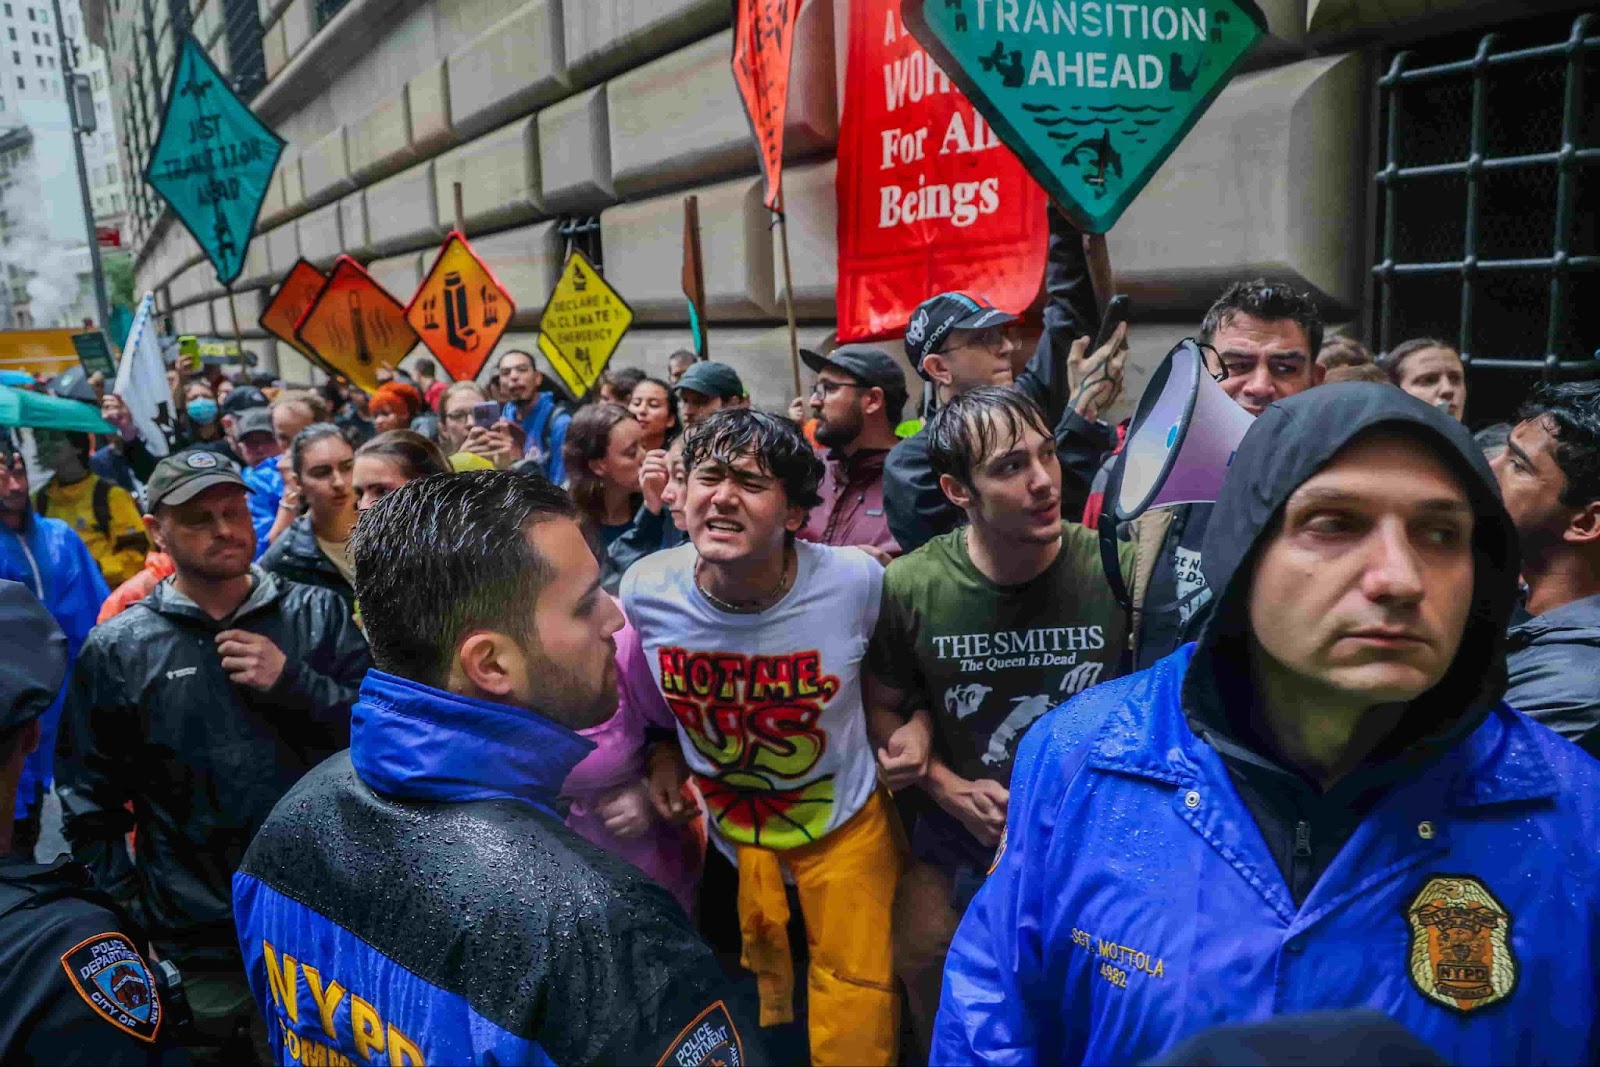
(582, 325)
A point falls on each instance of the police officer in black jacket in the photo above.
(74, 986)
(201, 705)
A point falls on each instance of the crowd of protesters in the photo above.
(463, 723)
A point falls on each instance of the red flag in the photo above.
(929, 199)
(763, 40)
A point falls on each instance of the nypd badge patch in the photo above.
(111, 976)
(1461, 944)
(710, 1039)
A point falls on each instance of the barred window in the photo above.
(1488, 192)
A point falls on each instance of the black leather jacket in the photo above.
(152, 718)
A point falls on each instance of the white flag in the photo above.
(142, 380)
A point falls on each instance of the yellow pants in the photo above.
(847, 886)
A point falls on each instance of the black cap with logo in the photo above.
(935, 317)
(181, 477)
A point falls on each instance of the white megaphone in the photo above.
(1181, 440)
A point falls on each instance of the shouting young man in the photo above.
(1325, 804)
(757, 641)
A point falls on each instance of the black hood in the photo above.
(1291, 441)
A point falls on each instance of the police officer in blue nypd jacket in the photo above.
(418, 899)
(1323, 804)
(74, 984)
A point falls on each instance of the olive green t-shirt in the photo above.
(987, 660)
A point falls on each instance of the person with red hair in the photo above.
(394, 405)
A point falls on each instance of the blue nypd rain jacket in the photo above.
(1136, 901)
(418, 900)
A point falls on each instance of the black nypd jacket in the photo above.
(429, 872)
(152, 718)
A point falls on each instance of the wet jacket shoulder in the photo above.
(152, 717)
(1553, 662)
(428, 870)
(296, 557)
(73, 986)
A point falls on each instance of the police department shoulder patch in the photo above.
(1461, 944)
(710, 1039)
(111, 977)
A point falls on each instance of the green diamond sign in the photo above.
(213, 160)
(1092, 95)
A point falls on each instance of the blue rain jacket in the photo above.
(49, 558)
(1136, 901)
(419, 900)
(1124, 916)
(266, 493)
(546, 426)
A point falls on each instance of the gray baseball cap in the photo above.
(181, 477)
(252, 420)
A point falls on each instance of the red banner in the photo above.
(763, 40)
(929, 199)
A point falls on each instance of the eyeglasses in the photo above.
(991, 340)
(1212, 358)
(827, 389)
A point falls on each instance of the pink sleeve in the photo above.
(636, 684)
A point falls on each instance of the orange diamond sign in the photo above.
(300, 287)
(354, 326)
(460, 310)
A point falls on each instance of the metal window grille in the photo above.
(326, 9)
(246, 61)
(1488, 195)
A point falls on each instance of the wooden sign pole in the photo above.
(788, 296)
(1100, 275)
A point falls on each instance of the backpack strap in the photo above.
(100, 504)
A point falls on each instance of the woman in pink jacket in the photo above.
(610, 803)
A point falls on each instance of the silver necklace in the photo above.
(753, 605)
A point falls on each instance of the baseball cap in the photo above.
(35, 663)
(935, 317)
(243, 398)
(252, 420)
(711, 379)
(181, 477)
(865, 363)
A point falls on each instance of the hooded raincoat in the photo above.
(1137, 901)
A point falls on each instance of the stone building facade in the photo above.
(550, 111)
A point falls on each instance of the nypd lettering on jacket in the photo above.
(1136, 903)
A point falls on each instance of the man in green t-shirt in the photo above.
(982, 630)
